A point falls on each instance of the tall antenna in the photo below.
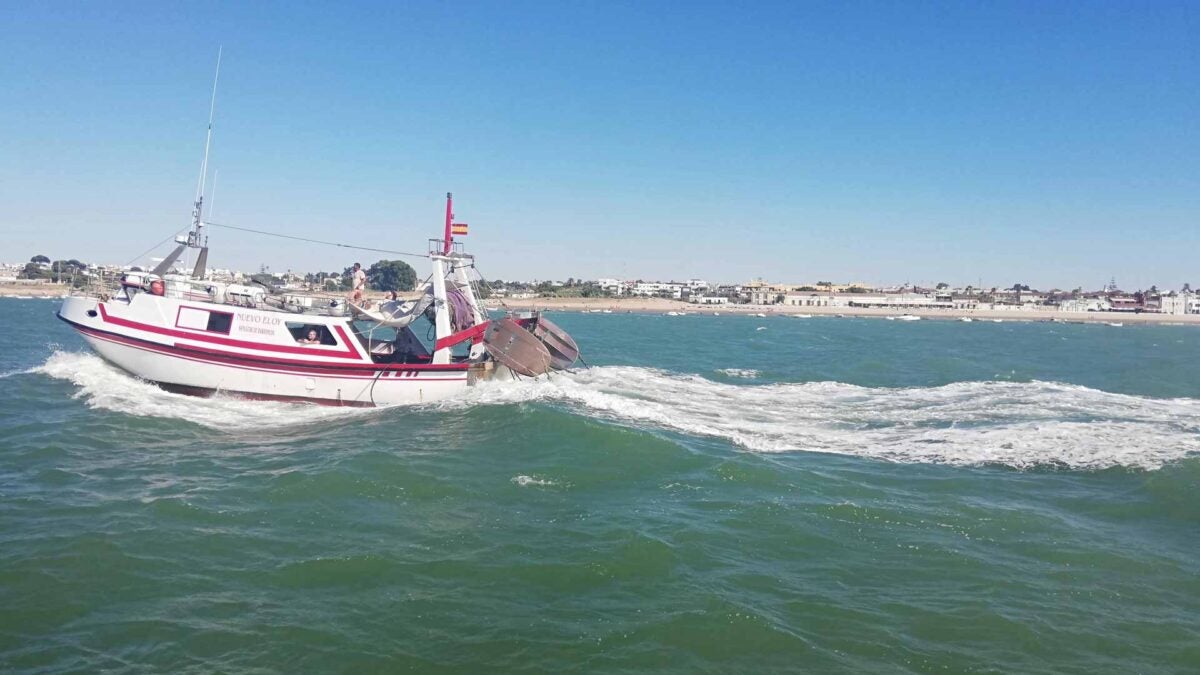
(212, 200)
(194, 235)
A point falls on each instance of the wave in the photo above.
(747, 373)
(525, 481)
(106, 387)
(11, 373)
(1018, 424)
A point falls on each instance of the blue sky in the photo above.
(1054, 144)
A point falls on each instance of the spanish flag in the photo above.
(459, 229)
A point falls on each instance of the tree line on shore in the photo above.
(383, 275)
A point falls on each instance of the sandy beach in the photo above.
(661, 306)
(33, 290)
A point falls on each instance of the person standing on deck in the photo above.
(358, 283)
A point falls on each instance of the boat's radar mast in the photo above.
(449, 223)
(198, 207)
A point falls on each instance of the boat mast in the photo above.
(449, 219)
(197, 209)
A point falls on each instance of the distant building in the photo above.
(1179, 303)
(758, 292)
(816, 300)
(613, 286)
(1124, 303)
(1085, 304)
(658, 289)
(902, 301)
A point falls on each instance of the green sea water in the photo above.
(716, 494)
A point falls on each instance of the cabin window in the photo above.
(194, 318)
(388, 344)
(300, 332)
(219, 322)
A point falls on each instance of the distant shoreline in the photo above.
(662, 306)
(33, 290)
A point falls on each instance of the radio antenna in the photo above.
(197, 223)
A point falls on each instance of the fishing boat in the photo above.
(190, 333)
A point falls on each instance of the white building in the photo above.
(1084, 305)
(1179, 303)
(709, 300)
(815, 300)
(902, 301)
(613, 286)
(1012, 297)
(656, 288)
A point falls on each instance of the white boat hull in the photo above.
(129, 337)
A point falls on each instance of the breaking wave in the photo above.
(746, 373)
(104, 386)
(525, 481)
(1018, 424)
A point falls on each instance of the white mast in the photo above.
(194, 235)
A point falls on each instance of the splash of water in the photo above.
(1019, 424)
(746, 373)
(104, 386)
(525, 481)
(11, 373)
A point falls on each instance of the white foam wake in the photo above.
(526, 481)
(746, 373)
(104, 386)
(10, 373)
(1012, 423)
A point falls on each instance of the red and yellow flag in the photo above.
(459, 229)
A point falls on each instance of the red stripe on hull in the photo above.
(213, 357)
(205, 392)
